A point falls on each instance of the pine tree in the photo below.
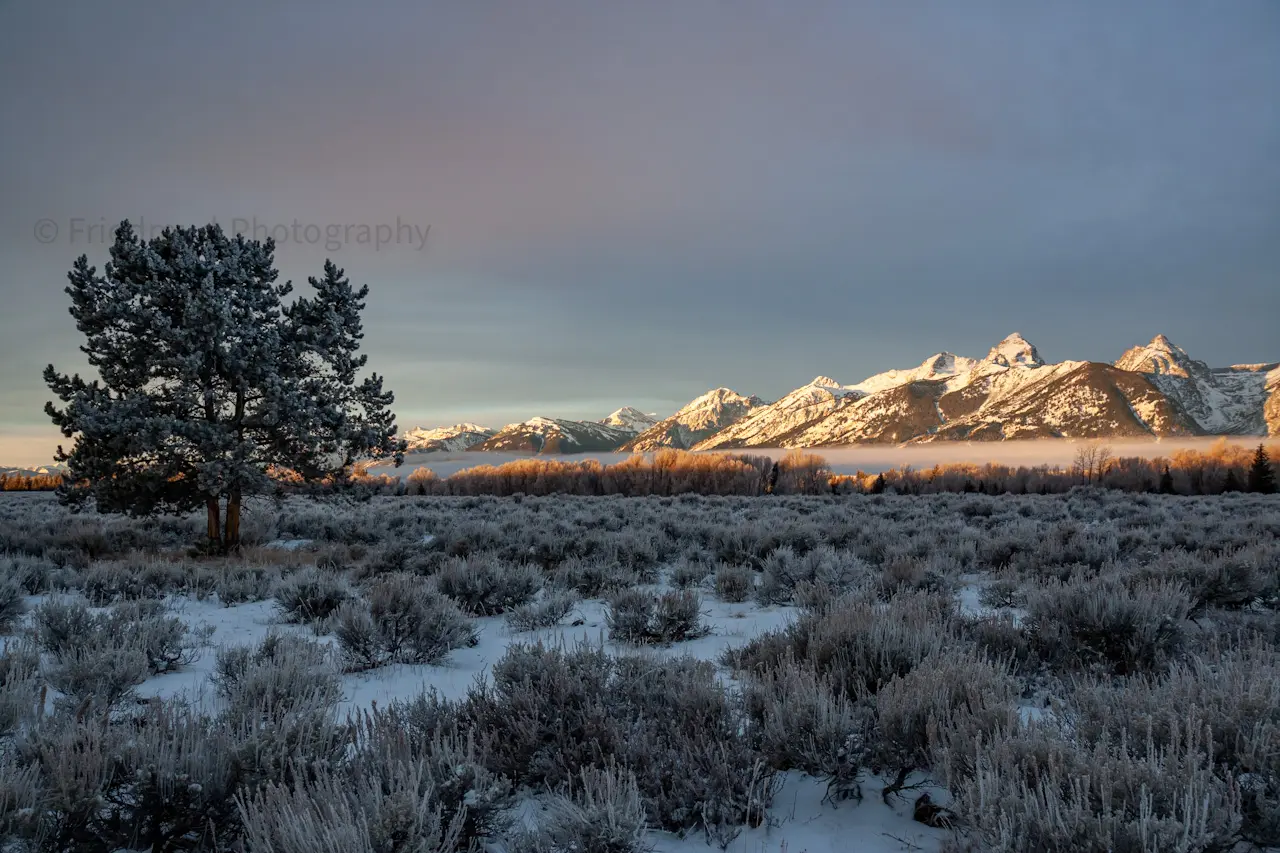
(773, 478)
(1232, 483)
(1166, 482)
(208, 379)
(878, 485)
(1261, 478)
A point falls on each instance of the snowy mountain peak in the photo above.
(631, 419)
(943, 365)
(700, 418)
(716, 398)
(825, 382)
(450, 438)
(1161, 356)
(943, 362)
(1013, 351)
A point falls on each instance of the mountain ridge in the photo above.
(1156, 389)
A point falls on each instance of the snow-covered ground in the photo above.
(798, 822)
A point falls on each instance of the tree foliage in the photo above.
(1261, 478)
(208, 379)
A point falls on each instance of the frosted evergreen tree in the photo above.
(209, 380)
(1261, 478)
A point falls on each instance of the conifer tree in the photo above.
(208, 379)
(1232, 483)
(1261, 478)
(1166, 482)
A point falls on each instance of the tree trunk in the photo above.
(214, 527)
(231, 540)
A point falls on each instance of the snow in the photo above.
(807, 825)
(288, 544)
(704, 415)
(769, 423)
(1161, 356)
(630, 419)
(1015, 350)
(944, 365)
(715, 399)
(456, 437)
(798, 822)
(247, 624)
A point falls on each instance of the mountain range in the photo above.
(1011, 393)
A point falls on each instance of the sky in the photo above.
(631, 203)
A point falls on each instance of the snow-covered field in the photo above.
(874, 458)
(803, 822)
(934, 645)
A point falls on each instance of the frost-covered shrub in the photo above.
(602, 813)
(245, 583)
(105, 582)
(33, 574)
(735, 583)
(1235, 696)
(858, 645)
(1231, 581)
(550, 713)
(401, 620)
(166, 641)
(169, 777)
(12, 605)
(96, 678)
(783, 570)
(684, 736)
(689, 571)
(281, 673)
(545, 612)
(311, 595)
(338, 812)
(592, 577)
(19, 686)
(909, 574)
(640, 616)
(678, 616)
(800, 722)
(462, 784)
(83, 643)
(1036, 787)
(957, 698)
(630, 614)
(1107, 623)
(19, 798)
(545, 713)
(62, 625)
(394, 558)
(1002, 591)
(1001, 637)
(487, 587)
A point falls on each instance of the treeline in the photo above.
(29, 482)
(665, 472)
(1221, 469)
